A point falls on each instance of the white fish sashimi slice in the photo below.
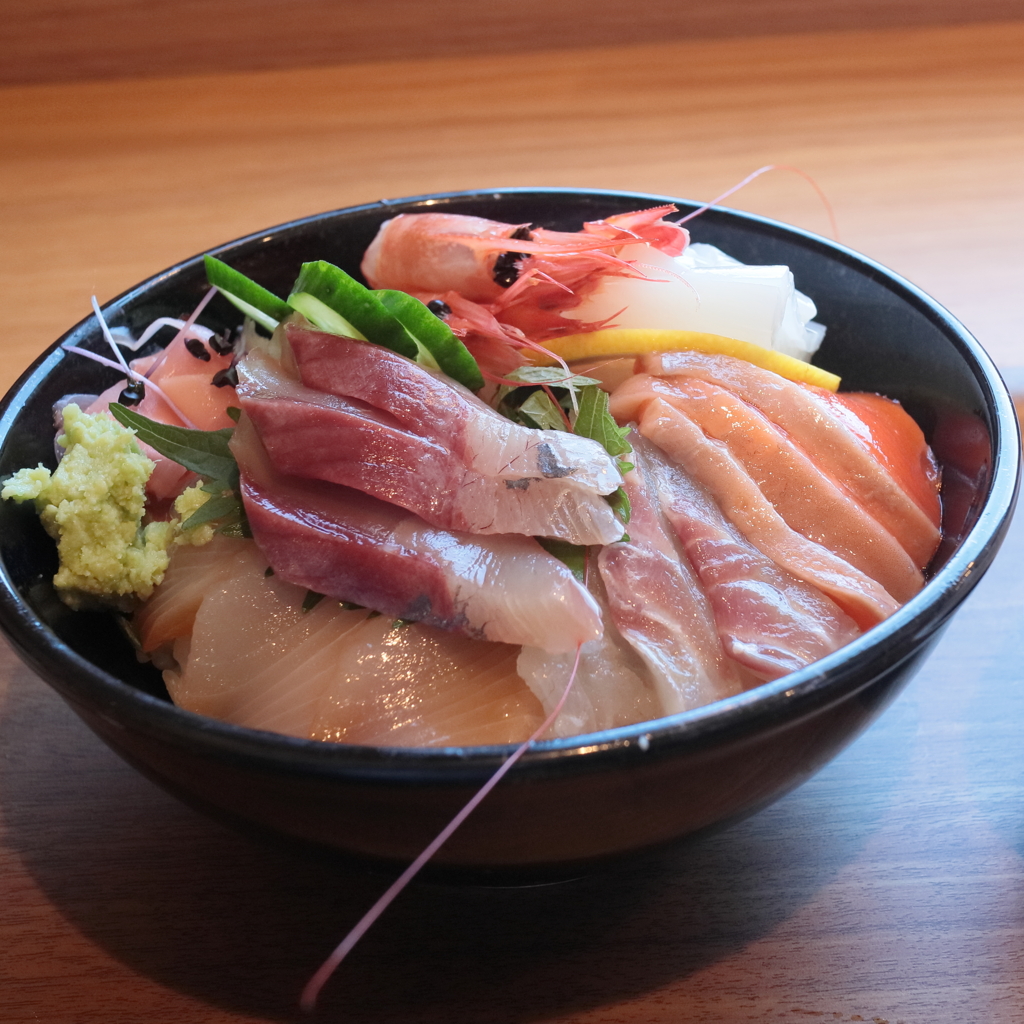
(321, 436)
(258, 660)
(618, 690)
(245, 663)
(443, 411)
(704, 290)
(192, 573)
(612, 686)
(419, 686)
(659, 607)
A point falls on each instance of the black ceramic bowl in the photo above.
(569, 802)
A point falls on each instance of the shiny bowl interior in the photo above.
(570, 802)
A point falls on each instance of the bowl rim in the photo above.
(768, 706)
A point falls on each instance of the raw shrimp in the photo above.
(630, 270)
(510, 283)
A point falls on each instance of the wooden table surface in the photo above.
(888, 888)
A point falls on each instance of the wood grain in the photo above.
(887, 889)
(916, 136)
(63, 40)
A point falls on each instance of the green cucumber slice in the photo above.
(319, 314)
(252, 299)
(433, 334)
(356, 303)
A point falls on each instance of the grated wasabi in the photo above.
(93, 505)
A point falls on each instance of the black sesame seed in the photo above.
(439, 308)
(225, 378)
(198, 349)
(134, 393)
(222, 344)
(523, 234)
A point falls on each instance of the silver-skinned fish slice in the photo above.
(323, 436)
(349, 546)
(441, 410)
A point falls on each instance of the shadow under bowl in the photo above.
(570, 802)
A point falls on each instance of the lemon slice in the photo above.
(621, 341)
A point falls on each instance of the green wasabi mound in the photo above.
(93, 504)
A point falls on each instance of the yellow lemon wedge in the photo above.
(617, 342)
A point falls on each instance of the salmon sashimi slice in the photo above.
(806, 498)
(896, 440)
(443, 411)
(829, 433)
(350, 546)
(659, 607)
(711, 464)
(769, 621)
(191, 573)
(323, 436)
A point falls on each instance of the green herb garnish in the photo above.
(205, 452)
(529, 401)
(572, 555)
(595, 421)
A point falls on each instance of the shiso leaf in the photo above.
(205, 452)
(539, 411)
(619, 501)
(595, 421)
(215, 508)
(521, 402)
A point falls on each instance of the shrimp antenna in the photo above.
(307, 1001)
(757, 174)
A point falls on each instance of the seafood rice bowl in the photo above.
(384, 535)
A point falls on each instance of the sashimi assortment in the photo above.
(403, 516)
